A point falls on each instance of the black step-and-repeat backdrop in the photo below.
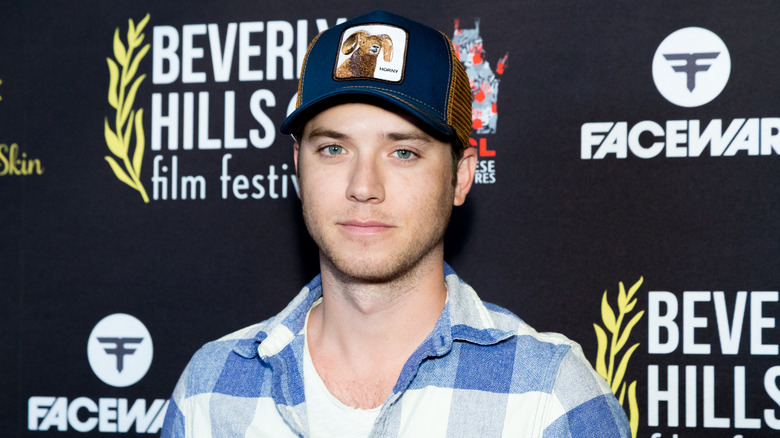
(627, 195)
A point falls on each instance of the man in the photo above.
(387, 341)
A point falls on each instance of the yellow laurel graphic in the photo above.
(1, 83)
(609, 348)
(127, 120)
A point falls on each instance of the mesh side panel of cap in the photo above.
(459, 107)
(299, 100)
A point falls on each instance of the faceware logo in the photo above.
(120, 353)
(469, 47)
(611, 358)
(691, 67)
(120, 350)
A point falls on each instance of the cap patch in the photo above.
(372, 51)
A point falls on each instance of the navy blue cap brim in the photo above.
(295, 121)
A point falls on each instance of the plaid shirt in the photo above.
(482, 372)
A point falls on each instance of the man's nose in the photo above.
(366, 181)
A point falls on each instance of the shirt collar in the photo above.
(280, 330)
(464, 318)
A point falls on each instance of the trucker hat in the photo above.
(389, 59)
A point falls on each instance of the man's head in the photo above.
(382, 129)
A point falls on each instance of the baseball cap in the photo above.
(392, 60)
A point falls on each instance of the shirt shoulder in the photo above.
(218, 362)
(214, 385)
(527, 360)
(578, 401)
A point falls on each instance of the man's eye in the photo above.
(403, 154)
(334, 150)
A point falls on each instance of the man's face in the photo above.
(376, 191)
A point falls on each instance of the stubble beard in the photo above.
(372, 265)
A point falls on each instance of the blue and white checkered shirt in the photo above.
(482, 372)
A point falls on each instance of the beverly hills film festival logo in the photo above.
(168, 152)
(690, 68)
(120, 353)
(728, 358)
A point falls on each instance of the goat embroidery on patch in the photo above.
(372, 52)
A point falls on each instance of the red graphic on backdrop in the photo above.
(483, 79)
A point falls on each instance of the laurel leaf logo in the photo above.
(609, 347)
(128, 122)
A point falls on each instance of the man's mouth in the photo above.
(365, 227)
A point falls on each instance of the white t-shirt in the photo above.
(329, 417)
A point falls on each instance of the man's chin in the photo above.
(368, 270)
(367, 273)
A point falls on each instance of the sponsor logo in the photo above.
(372, 52)
(611, 358)
(469, 47)
(12, 163)
(484, 81)
(691, 67)
(119, 350)
(719, 371)
(200, 142)
(681, 138)
(706, 327)
(83, 414)
(127, 122)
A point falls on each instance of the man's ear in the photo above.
(467, 166)
(296, 147)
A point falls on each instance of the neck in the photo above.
(362, 333)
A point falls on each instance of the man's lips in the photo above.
(365, 227)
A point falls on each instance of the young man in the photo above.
(387, 341)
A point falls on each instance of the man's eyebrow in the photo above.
(394, 136)
(326, 133)
(408, 135)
